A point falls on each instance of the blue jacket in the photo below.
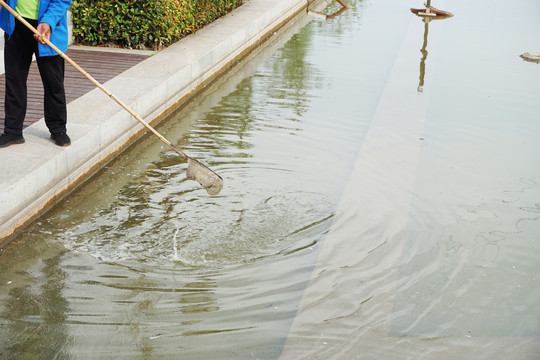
(52, 12)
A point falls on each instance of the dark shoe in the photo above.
(10, 139)
(61, 139)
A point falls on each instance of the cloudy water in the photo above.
(381, 200)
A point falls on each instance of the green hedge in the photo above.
(143, 24)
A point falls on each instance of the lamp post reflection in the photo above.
(427, 14)
(424, 55)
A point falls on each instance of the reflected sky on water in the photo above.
(315, 247)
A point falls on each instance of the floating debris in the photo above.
(532, 57)
(431, 12)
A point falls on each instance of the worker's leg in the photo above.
(18, 50)
(51, 69)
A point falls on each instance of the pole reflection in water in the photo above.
(427, 15)
(424, 55)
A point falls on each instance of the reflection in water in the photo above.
(35, 310)
(424, 55)
(427, 15)
(439, 261)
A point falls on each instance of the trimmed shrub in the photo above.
(143, 24)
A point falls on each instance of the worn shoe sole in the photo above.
(12, 142)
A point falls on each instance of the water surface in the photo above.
(381, 199)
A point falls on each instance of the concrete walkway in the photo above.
(35, 175)
(104, 65)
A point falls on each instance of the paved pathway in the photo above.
(102, 65)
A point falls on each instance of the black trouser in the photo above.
(18, 51)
